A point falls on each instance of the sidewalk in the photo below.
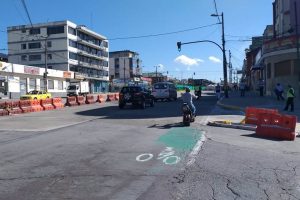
(236, 102)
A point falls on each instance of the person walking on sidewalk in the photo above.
(218, 91)
(242, 88)
(279, 91)
(290, 98)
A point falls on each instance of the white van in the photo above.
(164, 90)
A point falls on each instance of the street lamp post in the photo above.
(46, 65)
(222, 48)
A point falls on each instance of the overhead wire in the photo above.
(162, 34)
(26, 10)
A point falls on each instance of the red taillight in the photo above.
(138, 94)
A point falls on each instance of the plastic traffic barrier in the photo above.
(47, 104)
(36, 105)
(71, 101)
(26, 106)
(111, 97)
(277, 126)
(101, 98)
(117, 96)
(252, 114)
(13, 107)
(3, 109)
(90, 99)
(80, 100)
(57, 103)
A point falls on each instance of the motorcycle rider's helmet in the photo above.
(187, 89)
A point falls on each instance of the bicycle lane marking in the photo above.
(177, 141)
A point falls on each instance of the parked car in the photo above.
(135, 95)
(35, 94)
(164, 90)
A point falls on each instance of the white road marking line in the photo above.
(195, 151)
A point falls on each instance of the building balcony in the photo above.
(84, 53)
(280, 44)
(90, 44)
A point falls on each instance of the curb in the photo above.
(233, 125)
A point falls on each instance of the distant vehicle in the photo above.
(164, 90)
(78, 88)
(36, 94)
(210, 87)
(135, 95)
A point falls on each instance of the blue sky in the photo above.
(127, 18)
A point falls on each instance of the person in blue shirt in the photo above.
(187, 97)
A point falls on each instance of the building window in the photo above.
(72, 56)
(60, 85)
(55, 30)
(34, 31)
(24, 57)
(49, 56)
(23, 46)
(49, 67)
(32, 84)
(51, 84)
(72, 43)
(23, 30)
(35, 57)
(49, 44)
(283, 68)
(71, 30)
(35, 45)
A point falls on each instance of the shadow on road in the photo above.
(167, 126)
(253, 135)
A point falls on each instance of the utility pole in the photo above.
(46, 66)
(230, 68)
(124, 73)
(224, 59)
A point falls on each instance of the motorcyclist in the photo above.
(187, 97)
(198, 91)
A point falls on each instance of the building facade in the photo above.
(124, 65)
(280, 50)
(64, 46)
(17, 80)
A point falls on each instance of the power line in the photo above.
(216, 9)
(26, 10)
(162, 34)
(18, 11)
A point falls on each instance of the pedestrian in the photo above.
(261, 86)
(218, 91)
(279, 91)
(242, 88)
(290, 98)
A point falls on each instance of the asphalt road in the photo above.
(102, 152)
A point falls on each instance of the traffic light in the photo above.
(179, 46)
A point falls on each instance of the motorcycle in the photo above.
(198, 94)
(188, 116)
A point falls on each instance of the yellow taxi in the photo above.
(35, 94)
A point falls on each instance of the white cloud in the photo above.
(161, 67)
(183, 59)
(214, 59)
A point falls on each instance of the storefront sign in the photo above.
(79, 76)
(67, 75)
(32, 70)
(6, 67)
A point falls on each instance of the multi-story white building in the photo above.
(62, 45)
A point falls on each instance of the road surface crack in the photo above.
(231, 189)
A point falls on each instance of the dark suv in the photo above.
(135, 95)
